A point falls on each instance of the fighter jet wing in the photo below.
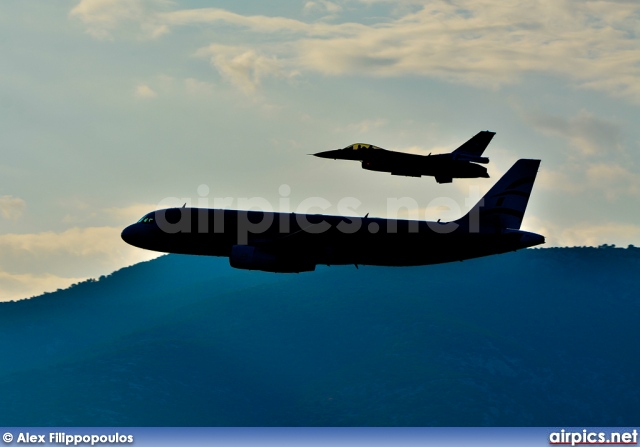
(476, 145)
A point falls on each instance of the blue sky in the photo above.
(112, 108)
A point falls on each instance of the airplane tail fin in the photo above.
(504, 205)
(476, 145)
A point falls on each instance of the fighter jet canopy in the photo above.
(357, 146)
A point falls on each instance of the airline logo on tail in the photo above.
(504, 205)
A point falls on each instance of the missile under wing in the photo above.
(461, 163)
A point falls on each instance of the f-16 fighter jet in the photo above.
(460, 163)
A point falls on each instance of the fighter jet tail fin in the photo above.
(504, 205)
(476, 145)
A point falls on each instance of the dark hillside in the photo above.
(539, 337)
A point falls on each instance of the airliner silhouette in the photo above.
(293, 243)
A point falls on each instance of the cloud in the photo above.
(194, 87)
(323, 7)
(31, 264)
(487, 43)
(610, 180)
(162, 85)
(365, 126)
(561, 181)
(83, 214)
(593, 235)
(599, 162)
(19, 286)
(145, 92)
(613, 180)
(130, 214)
(12, 208)
(103, 18)
(493, 43)
(76, 252)
(585, 132)
(255, 23)
(244, 67)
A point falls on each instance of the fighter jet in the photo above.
(460, 163)
(293, 243)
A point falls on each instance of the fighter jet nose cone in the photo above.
(335, 154)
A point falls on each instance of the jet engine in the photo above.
(248, 257)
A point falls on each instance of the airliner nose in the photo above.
(127, 235)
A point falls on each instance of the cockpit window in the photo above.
(146, 219)
(357, 146)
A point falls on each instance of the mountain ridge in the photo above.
(537, 337)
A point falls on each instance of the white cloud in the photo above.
(143, 91)
(489, 43)
(599, 162)
(323, 7)
(162, 85)
(12, 208)
(195, 87)
(365, 126)
(561, 181)
(610, 180)
(585, 132)
(594, 235)
(103, 18)
(492, 43)
(85, 215)
(480, 42)
(75, 252)
(256, 23)
(613, 180)
(243, 67)
(31, 264)
(128, 214)
(617, 233)
(19, 286)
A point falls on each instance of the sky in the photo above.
(110, 109)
